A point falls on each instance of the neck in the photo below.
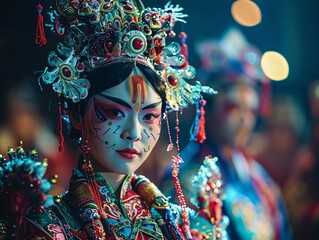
(113, 179)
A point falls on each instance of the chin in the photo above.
(125, 170)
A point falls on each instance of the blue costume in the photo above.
(252, 201)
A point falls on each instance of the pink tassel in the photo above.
(184, 48)
(40, 36)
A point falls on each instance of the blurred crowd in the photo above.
(266, 143)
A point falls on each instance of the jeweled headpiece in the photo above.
(99, 33)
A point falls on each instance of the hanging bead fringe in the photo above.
(175, 166)
(40, 36)
(61, 137)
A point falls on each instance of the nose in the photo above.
(132, 130)
(247, 117)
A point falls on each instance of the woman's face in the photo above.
(239, 114)
(123, 124)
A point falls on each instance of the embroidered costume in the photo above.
(140, 211)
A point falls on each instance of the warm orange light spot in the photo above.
(275, 66)
(246, 13)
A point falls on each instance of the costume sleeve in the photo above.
(32, 230)
(52, 223)
(278, 202)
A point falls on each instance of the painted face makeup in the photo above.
(123, 124)
(137, 89)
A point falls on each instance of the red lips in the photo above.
(128, 153)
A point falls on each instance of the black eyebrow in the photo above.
(117, 100)
(153, 105)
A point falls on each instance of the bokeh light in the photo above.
(246, 13)
(316, 91)
(275, 66)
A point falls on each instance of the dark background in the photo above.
(289, 27)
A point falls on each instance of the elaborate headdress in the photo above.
(100, 33)
(232, 59)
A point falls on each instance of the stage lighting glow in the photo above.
(275, 66)
(246, 13)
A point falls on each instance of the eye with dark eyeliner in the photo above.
(106, 111)
(98, 112)
(151, 117)
(114, 113)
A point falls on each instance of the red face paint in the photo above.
(137, 90)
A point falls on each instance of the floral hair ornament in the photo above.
(104, 32)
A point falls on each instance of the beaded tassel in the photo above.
(88, 169)
(90, 176)
(61, 137)
(176, 161)
(170, 145)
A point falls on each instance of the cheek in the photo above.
(151, 135)
(152, 132)
(104, 133)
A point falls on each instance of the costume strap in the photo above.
(159, 207)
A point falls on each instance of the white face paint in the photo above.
(122, 131)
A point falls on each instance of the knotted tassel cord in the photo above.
(201, 133)
(90, 176)
(87, 166)
(40, 35)
(197, 131)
